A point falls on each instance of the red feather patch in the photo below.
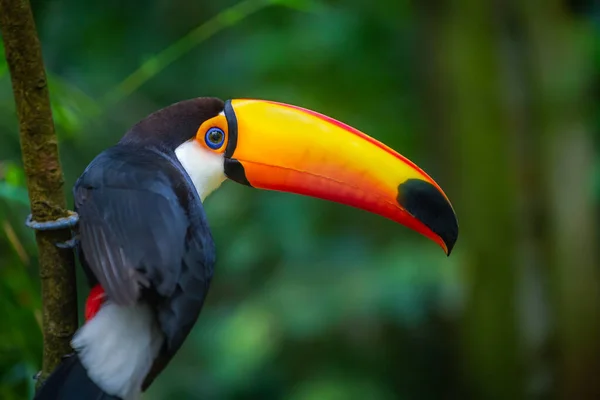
(94, 302)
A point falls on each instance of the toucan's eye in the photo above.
(215, 138)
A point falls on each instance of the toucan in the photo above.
(143, 238)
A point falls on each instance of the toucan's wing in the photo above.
(142, 224)
(132, 228)
(135, 225)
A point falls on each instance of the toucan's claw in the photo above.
(65, 356)
(69, 244)
(61, 223)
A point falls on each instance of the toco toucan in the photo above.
(144, 241)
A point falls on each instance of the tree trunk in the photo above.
(44, 177)
(507, 95)
(469, 119)
(562, 65)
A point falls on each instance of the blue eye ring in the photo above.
(214, 138)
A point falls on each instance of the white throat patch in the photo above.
(205, 168)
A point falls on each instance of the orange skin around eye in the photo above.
(217, 122)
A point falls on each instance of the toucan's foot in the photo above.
(37, 375)
(61, 223)
(69, 244)
(64, 357)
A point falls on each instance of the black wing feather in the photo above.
(131, 236)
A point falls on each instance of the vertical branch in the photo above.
(44, 177)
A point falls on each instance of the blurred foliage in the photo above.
(311, 300)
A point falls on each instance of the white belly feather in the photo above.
(118, 346)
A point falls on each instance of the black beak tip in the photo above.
(427, 204)
(451, 241)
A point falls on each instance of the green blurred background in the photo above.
(311, 300)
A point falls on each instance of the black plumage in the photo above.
(69, 381)
(143, 232)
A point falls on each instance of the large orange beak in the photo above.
(286, 148)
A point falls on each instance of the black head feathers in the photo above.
(173, 125)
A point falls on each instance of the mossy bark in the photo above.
(44, 177)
